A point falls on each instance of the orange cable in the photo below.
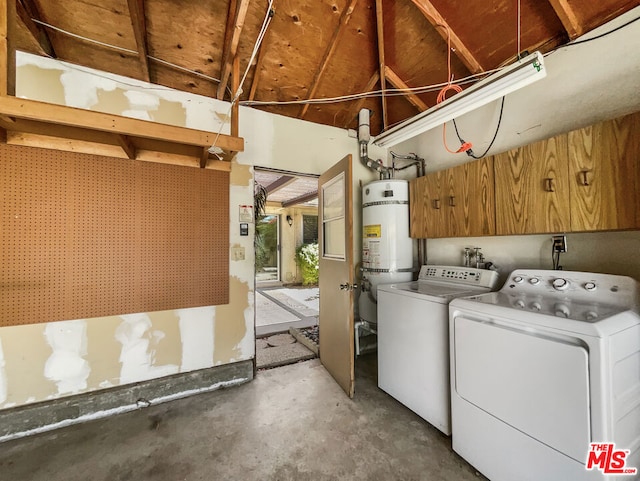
(443, 92)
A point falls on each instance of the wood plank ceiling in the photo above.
(312, 49)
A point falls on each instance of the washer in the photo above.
(541, 369)
(413, 337)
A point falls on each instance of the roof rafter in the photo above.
(27, 11)
(301, 199)
(358, 105)
(383, 85)
(331, 48)
(258, 67)
(280, 183)
(138, 21)
(398, 83)
(568, 17)
(235, 24)
(460, 49)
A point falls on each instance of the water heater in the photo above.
(387, 249)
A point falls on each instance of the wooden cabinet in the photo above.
(456, 202)
(532, 188)
(425, 206)
(586, 180)
(603, 175)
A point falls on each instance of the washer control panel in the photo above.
(459, 275)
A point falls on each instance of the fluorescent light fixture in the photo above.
(509, 79)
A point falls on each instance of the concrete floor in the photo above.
(290, 423)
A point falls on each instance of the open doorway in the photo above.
(287, 295)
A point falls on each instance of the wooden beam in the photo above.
(301, 199)
(231, 49)
(331, 48)
(100, 122)
(235, 108)
(358, 105)
(204, 157)
(443, 28)
(383, 85)
(127, 145)
(7, 50)
(139, 24)
(3, 136)
(258, 67)
(27, 11)
(568, 17)
(228, 36)
(397, 82)
(279, 183)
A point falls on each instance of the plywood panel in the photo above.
(87, 236)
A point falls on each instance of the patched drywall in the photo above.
(111, 101)
(104, 350)
(140, 341)
(32, 77)
(229, 333)
(198, 337)
(26, 352)
(241, 175)
(3, 377)
(67, 365)
(169, 112)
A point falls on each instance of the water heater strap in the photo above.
(386, 202)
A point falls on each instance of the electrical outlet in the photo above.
(559, 243)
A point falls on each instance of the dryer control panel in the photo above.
(583, 287)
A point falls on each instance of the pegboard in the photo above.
(87, 236)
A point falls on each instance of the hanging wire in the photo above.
(236, 95)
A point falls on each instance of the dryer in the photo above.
(413, 337)
(543, 368)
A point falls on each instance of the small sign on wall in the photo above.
(246, 213)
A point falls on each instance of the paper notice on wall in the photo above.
(246, 213)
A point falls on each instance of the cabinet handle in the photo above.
(585, 177)
(452, 200)
(436, 203)
(548, 185)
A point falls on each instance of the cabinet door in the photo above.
(425, 205)
(468, 201)
(603, 172)
(532, 188)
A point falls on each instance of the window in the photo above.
(309, 229)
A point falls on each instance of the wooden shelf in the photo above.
(50, 126)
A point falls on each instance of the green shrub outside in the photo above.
(307, 258)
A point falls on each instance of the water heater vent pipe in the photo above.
(364, 136)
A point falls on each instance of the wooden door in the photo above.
(335, 219)
(603, 172)
(532, 188)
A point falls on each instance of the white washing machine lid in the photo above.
(439, 292)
